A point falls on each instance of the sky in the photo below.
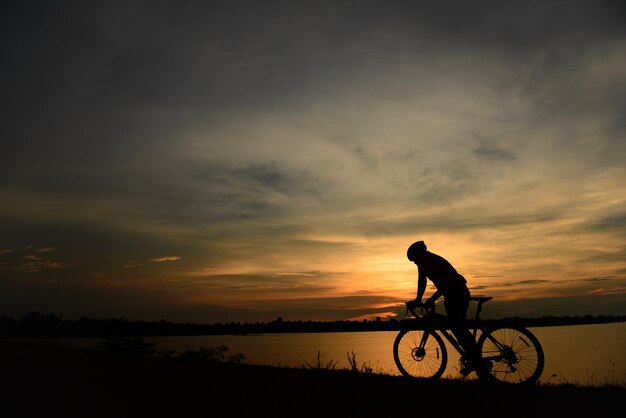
(246, 160)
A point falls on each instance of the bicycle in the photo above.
(513, 352)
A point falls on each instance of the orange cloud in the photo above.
(165, 259)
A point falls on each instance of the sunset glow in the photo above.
(243, 161)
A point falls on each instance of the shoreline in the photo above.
(39, 325)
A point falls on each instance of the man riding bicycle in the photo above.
(453, 287)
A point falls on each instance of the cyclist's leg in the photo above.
(456, 304)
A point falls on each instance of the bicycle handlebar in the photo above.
(430, 310)
(412, 305)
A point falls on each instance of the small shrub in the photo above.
(321, 365)
(364, 368)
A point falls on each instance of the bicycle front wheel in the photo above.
(420, 354)
(515, 353)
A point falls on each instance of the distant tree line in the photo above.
(48, 325)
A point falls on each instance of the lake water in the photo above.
(579, 354)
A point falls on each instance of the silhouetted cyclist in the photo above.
(453, 287)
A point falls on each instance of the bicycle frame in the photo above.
(429, 317)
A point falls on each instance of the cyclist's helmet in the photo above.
(415, 249)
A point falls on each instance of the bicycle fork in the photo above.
(420, 350)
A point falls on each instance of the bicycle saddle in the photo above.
(481, 299)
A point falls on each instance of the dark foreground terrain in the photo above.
(42, 380)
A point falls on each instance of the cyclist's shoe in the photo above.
(483, 369)
(466, 367)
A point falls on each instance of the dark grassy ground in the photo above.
(42, 380)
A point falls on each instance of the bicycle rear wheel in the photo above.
(515, 353)
(420, 354)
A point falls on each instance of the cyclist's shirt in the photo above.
(445, 277)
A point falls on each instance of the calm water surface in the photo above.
(580, 354)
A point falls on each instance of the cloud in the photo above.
(165, 259)
(297, 274)
(493, 153)
(533, 281)
(33, 264)
(23, 260)
(131, 265)
(597, 279)
(296, 148)
(268, 287)
(616, 222)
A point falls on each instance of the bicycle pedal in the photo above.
(484, 369)
(466, 371)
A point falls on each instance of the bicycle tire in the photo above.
(515, 353)
(427, 363)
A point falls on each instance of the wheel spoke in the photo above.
(516, 354)
(420, 355)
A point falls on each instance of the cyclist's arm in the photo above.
(431, 300)
(421, 285)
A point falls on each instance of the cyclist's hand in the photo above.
(412, 304)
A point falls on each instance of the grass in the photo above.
(353, 364)
(46, 380)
